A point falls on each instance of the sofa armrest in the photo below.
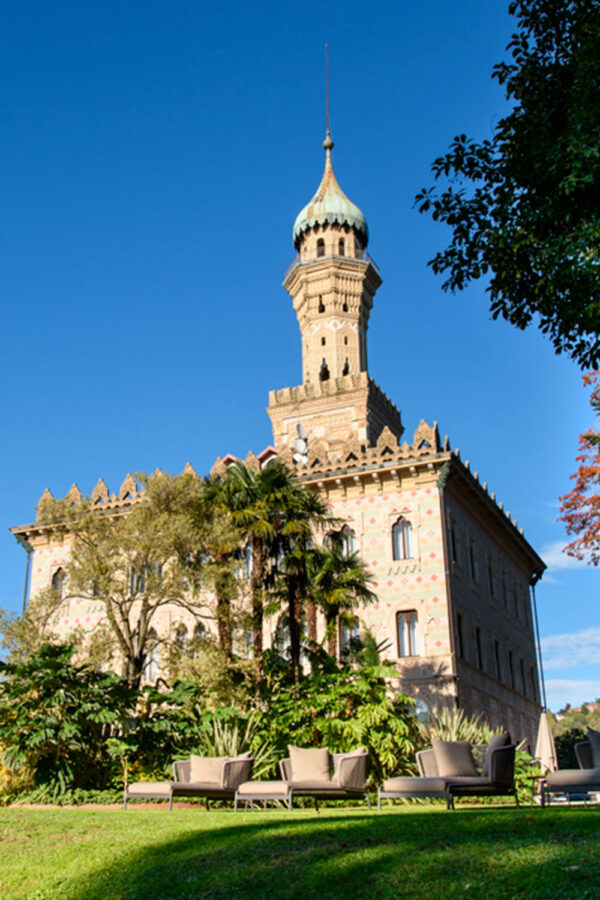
(427, 764)
(502, 765)
(352, 771)
(181, 770)
(236, 772)
(583, 752)
(285, 767)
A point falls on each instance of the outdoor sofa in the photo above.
(584, 780)
(215, 778)
(448, 770)
(312, 772)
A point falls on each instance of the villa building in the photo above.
(452, 570)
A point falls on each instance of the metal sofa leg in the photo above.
(170, 801)
(379, 800)
(235, 799)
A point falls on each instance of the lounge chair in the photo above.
(584, 780)
(448, 770)
(199, 776)
(312, 773)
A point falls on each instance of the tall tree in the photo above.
(524, 205)
(339, 584)
(580, 508)
(133, 564)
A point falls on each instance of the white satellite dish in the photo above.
(300, 446)
(301, 431)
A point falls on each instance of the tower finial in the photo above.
(327, 143)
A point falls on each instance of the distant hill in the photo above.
(582, 717)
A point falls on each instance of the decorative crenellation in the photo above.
(101, 498)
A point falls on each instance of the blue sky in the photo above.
(153, 158)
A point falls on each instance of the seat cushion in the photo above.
(145, 788)
(454, 758)
(262, 788)
(566, 778)
(207, 769)
(309, 764)
(198, 787)
(594, 739)
(312, 785)
(416, 786)
(499, 740)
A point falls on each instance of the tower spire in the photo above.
(327, 143)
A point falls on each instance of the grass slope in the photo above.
(409, 852)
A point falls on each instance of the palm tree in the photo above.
(339, 584)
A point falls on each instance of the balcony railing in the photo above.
(297, 261)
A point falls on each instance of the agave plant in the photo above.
(223, 737)
(453, 724)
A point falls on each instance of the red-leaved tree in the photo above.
(581, 507)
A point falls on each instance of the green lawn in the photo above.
(402, 852)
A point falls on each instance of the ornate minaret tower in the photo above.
(332, 282)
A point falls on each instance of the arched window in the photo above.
(407, 627)
(181, 636)
(151, 669)
(58, 582)
(346, 369)
(349, 638)
(402, 539)
(348, 541)
(341, 247)
(320, 247)
(324, 372)
(247, 563)
(321, 304)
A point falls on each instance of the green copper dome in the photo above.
(330, 204)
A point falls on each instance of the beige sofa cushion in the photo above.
(310, 764)
(207, 769)
(454, 758)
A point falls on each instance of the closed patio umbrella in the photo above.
(545, 751)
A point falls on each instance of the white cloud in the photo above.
(567, 651)
(560, 691)
(555, 558)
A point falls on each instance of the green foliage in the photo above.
(230, 734)
(523, 205)
(343, 710)
(585, 716)
(56, 719)
(453, 724)
(564, 744)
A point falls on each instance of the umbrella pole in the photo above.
(539, 645)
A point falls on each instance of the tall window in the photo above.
(473, 560)
(348, 541)
(181, 637)
(407, 627)
(490, 574)
(479, 648)
(349, 638)
(459, 635)
(151, 669)
(511, 668)
(58, 582)
(341, 247)
(320, 247)
(504, 591)
(402, 539)
(497, 657)
(453, 547)
(522, 670)
(247, 562)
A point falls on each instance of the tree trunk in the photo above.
(331, 620)
(224, 628)
(295, 619)
(311, 620)
(258, 577)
